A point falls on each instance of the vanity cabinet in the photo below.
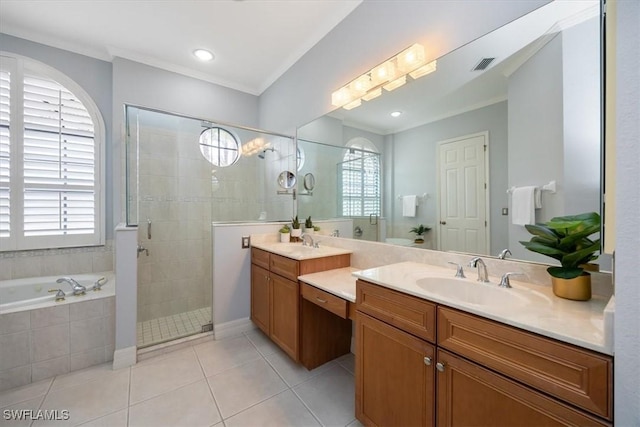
(276, 301)
(485, 372)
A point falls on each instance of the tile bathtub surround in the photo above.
(42, 343)
(53, 262)
(201, 385)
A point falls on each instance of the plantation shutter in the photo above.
(59, 161)
(5, 152)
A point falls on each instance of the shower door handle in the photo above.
(149, 228)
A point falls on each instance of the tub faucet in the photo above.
(483, 276)
(303, 236)
(77, 288)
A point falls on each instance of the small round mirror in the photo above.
(309, 182)
(287, 180)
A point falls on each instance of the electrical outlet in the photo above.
(246, 242)
(505, 211)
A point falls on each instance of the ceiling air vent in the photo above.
(483, 64)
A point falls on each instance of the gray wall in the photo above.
(627, 122)
(94, 76)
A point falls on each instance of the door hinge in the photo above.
(485, 148)
(485, 223)
(485, 185)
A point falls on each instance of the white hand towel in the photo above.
(409, 204)
(523, 206)
(538, 198)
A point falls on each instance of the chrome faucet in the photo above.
(77, 288)
(303, 236)
(504, 253)
(483, 276)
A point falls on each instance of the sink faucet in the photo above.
(504, 253)
(483, 276)
(78, 289)
(303, 236)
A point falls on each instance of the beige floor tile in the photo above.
(330, 396)
(244, 386)
(262, 342)
(292, 372)
(284, 409)
(83, 375)
(116, 419)
(26, 392)
(191, 406)
(169, 373)
(348, 362)
(17, 418)
(89, 400)
(355, 423)
(219, 356)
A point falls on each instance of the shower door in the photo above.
(172, 200)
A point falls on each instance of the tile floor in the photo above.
(163, 329)
(240, 381)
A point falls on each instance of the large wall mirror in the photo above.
(518, 107)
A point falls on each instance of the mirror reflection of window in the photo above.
(359, 175)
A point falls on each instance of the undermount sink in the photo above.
(479, 294)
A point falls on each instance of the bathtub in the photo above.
(33, 293)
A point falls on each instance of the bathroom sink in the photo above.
(479, 294)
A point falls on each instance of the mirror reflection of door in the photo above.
(462, 170)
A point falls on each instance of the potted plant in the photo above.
(316, 229)
(567, 239)
(285, 235)
(419, 232)
(296, 232)
(308, 225)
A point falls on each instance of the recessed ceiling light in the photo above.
(203, 55)
(396, 114)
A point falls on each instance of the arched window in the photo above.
(51, 151)
(360, 179)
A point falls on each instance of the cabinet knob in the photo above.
(440, 366)
(427, 361)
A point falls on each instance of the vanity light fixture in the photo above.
(203, 55)
(254, 146)
(389, 75)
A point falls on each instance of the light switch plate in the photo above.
(505, 211)
(246, 242)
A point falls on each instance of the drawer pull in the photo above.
(440, 366)
(321, 300)
(427, 361)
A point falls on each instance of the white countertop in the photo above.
(298, 252)
(340, 282)
(588, 324)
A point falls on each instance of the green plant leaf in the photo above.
(542, 231)
(564, 272)
(544, 250)
(580, 257)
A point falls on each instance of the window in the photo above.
(360, 179)
(51, 142)
(219, 146)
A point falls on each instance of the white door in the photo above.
(463, 194)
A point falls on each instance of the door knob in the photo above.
(443, 222)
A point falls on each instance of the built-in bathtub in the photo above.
(41, 338)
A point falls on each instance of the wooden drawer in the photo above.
(285, 267)
(406, 312)
(330, 302)
(575, 375)
(260, 257)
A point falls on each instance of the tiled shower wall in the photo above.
(175, 194)
(53, 262)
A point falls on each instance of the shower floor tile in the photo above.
(162, 329)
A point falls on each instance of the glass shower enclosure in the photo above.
(181, 175)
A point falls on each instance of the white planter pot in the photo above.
(285, 237)
(309, 230)
(296, 232)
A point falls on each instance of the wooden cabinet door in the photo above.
(469, 395)
(260, 297)
(285, 300)
(394, 376)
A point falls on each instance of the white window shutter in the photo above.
(5, 153)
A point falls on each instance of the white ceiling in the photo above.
(254, 41)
